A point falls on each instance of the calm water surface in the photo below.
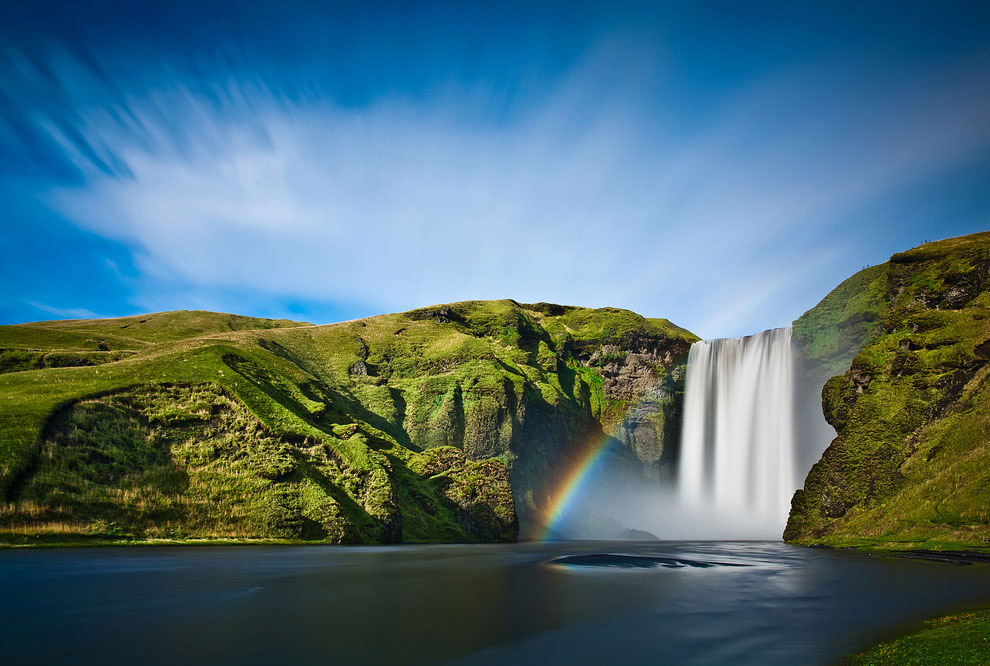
(495, 604)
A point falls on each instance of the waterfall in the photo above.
(737, 465)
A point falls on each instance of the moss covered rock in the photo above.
(910, 466)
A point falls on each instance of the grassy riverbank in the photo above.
(959, 639)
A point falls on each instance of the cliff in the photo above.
(908, 343)
(447, 423)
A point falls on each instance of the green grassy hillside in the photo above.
(910, 466)
(960, 639)
(80, 342)
(401, 427)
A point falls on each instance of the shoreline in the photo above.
(958, 554)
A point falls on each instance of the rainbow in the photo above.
(577, 479)
(574, 482)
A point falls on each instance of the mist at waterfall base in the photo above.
(752, 427)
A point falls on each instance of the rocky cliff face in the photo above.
(644, 378)
(447, 423)
(910, 466)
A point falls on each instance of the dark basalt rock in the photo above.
(950, 556)
(636, 562)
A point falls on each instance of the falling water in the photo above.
(737, 462)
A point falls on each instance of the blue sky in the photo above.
(723, 165)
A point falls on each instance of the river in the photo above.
(676, 603)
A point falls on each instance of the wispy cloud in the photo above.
(63, 313)
(595, 191)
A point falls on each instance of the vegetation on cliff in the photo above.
(400, 427)
(910, 466)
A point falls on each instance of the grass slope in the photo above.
(80, 342)
(910, 467)
(397, 427)
(961, 639)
